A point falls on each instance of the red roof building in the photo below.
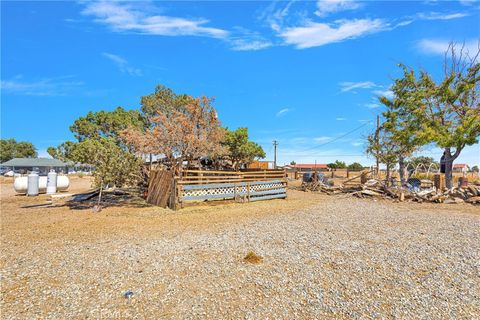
(460, 167)
(307, 167)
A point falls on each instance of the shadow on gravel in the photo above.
(115, 198)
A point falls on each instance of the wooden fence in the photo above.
(160, 188)
(208, 185)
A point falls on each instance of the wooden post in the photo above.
(439, 181)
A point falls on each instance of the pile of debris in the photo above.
(419, 191)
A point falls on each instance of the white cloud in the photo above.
(441, 16)
(384, 93)
(467, 2)
(372, 105)
(246, 40)
(247, 45)
(326, 7)
(122, 64)
(322, 139)
(349, 86)
(125, 17)
(439, 47)
(282, 112)
(341, 119)
(314, 34)
(59, 86)
(275, 16)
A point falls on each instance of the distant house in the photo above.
(40, 165)
(303, 167)
(460, 168)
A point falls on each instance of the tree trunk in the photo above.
(401, 170)
(448, 168)
(387, 178)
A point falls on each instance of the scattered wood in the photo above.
(426, 192)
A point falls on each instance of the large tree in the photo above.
(448, 112)
(10, 148)
(355, 166)
(337, 165)
(399, 124)
(239, 150)
(106, 124)
(63, 151)
(99, 144)
(164, 100)
(184, 133)
(114, 166)
(383, 145)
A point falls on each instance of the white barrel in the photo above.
(63, 183)
(32, 184)
(52, 182)
(21, 184)
(42, 184)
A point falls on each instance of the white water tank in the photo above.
(21, 184)
(52, 182)
(63, 183)
(32, 184)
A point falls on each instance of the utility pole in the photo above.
(377, 133)
(275, 144)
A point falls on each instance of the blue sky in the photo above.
(305, 73)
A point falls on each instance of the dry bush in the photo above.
(252, 257)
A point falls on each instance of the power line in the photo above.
(337, 138)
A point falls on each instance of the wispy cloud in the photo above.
(372, 105)
(439, 47)
(314, 34)
(322, 139)
(122, 64)
(441, 16)
(245, 40)
(349, 86)
(127, 17)
(341, 119)
(282, 112)
(249, 44)
(59, 86)
(384, 93)
(467, 2)
(326, 7)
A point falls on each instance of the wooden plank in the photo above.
(228, 180)
(213, 171)
(276, 196)
(210, 178)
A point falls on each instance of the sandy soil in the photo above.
(57, 262)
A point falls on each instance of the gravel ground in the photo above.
(323, 257)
